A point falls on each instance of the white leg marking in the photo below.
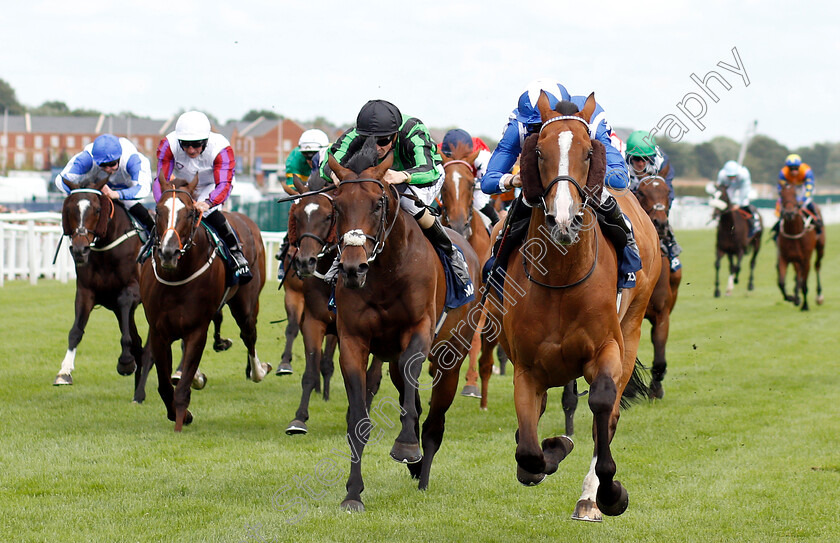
(67, 365)
(590, 482)
(258, 370)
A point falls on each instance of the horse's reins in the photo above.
(806, 224)
(357, 238)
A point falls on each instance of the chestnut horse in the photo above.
(390, 296)
(652, 194)
(104, 245)
(796, 242)
(734, 241)
(563, 317)
(457, 212)
(183, 288)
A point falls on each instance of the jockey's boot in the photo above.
(674, 248)
(490, 211)
(240, 267)
(775, 229)
(440, 239)
(281, 256)
(612, 215)
(139, 212)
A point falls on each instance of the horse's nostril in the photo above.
(312, 261)
(552, 222)
(363, 268)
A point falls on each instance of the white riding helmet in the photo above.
(313, 140)
(192, 126)
(731, 169)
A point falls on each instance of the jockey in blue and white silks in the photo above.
(127, 170)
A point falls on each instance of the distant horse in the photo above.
(390, 296)
(312, 241)
(457, 212)
(563, 317)
(652, 194)
(183, 288)
(104, 245)
(293, 304)
(734, 241)
(796, 242)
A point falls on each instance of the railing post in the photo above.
(33, 255)
(2, 252)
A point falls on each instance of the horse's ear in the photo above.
(544, 107)
(445, 158)
(70, 184)
(301, 188)
(588, 108)
(472, 156)
(98, 184)
(378, 172)
(192, 184)
(338, 169)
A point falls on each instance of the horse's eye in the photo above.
(539, 153)
(591, 152)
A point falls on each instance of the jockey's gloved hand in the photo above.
(393, 177)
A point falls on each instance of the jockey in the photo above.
(736, 179)
(303, 161)
(525, 120)
(796, 172)
(481, 201)
(417, 167)
(645, 158)
(192, 149)
(127, 170)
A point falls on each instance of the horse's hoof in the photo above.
(222, 345)
(527, 478)
(471, 391)
(407, 453)
(656, 391)
(414, 470)
(820, 300)
(127, 367)
(175, 377)
(199, 381)
(620, 504)
(285, 368)
(717, 295)
(588, 511)
(296, 427)
(63, 379)
(555, 449)
(353, 506)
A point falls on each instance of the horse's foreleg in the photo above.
(140, 376)
(820, 248)
(485, 368)
(802, 281)
(471, 387)
(327, 364)
(406, 447)
(352, 358)
(84, 305)
(161, 354)
(734, 269)
(132, 345)
(753, 258)
(294, 312)
(193, 346)
(313, 335)
(718, 256)
(528, 398)
(659, 337)
(781, 276)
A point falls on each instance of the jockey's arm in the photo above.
(498, 177)
(424, 157)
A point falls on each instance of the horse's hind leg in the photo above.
(373, 379)
(194, 344)
(446, 384)
(718, 256)
(660, 326)
(328, 364)
(756, 246)
(84, 305)
(817, 265)
(142, 374)
(245, 307)
(294, 312)
(313, 337)
(220, 344)
(570, 402)
(471, 388)
(804, 269)
(781, 277)
(485, 369)
(406, 447)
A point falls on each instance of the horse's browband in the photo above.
(92, 191)
(564, 118)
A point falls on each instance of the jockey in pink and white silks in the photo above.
(128, 173)
(192, 149)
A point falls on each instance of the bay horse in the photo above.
(104, 245)
(457, 212)
(390, 300)
(653, 196)
(734, 241)
(564, 319)
(796, 243)
(183, 287)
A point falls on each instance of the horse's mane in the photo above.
(364, 157)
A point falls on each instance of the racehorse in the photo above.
(312, 241)
(293, 304)
(652, 194)
(734, 241)
(457, 212)
(183, 287)
(796, 242)
(104, 245)
(563, 317)
(390, 296)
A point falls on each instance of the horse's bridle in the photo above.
(81, 230)
(806, 222)
(325, 246)
(182, 247)
(443, 207)
(357, 238)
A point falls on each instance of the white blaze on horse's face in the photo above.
(84, 205)
(173, 207)
(563, 203)
(456, 178)
(310, 209)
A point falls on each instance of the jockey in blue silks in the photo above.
(525, 120)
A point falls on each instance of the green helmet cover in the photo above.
(640, 143)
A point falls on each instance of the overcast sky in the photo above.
(450, 63)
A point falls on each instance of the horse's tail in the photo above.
(638, 388)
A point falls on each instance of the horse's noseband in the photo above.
(357, 238)
(195, 219)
